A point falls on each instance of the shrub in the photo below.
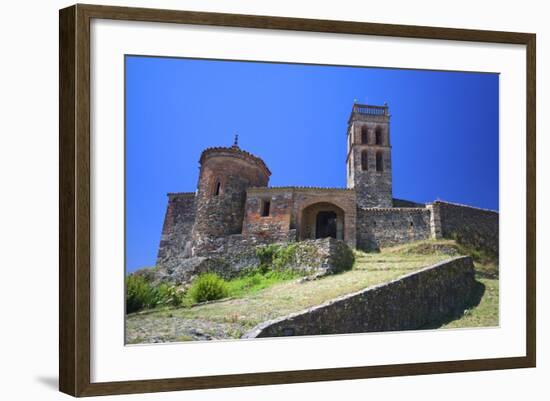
(275, 257)
(266, 254)
(208, 287)
(142, 294)
(139, 293)
(165, 294)
(284, 256)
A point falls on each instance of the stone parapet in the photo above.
(407, 303)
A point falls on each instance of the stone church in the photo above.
(234, 206)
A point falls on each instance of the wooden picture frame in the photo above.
(74, 199)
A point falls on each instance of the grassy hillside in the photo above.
(269, 299)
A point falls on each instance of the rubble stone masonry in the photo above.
(175, 242)
(380, 227)
(476, 227)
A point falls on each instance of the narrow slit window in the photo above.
(364, 161)
(266, 205)
(218, 188)
(379, 162)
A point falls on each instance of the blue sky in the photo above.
(444, 130)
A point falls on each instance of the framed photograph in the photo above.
(250, 200)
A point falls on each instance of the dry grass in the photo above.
(287, 297)
(232, 317)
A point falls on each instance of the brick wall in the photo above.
(276, 225)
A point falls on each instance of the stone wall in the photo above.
(326, 256)
(226, 256)
(391, 226)
(408, 303)
(374, 187)
(469, 225)
(175, 242)
(235, 254)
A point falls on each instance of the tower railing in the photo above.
(370, 110)
(366, 111)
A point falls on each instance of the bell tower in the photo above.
(369, 168)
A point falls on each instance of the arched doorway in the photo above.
(325, 225)
(322, 220)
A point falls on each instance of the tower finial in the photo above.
(236, 141)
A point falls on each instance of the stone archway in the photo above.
(321, 220)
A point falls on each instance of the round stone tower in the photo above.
(225, 175)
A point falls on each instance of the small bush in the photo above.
(208, 287)
(168, 295)
(275, 257)
(266, 254)
(139, 293)
(142, 294)
(284, 257)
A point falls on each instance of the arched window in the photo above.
(217, 188)
(379, 161)
(364, 135)
(364, 160)
(378, 135)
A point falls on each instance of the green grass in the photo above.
(486, 312)
(257, 281)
